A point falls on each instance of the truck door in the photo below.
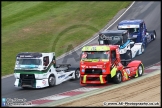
(113, 57)
(45, 61)
(142, 32)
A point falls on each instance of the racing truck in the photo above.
(39, 70)
(101, 64)
(137, 29)
(127, 46)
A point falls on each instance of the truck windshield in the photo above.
(95, 55)
(131, 30)
(27, 61)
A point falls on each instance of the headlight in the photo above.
(17, 75)
(83, 70)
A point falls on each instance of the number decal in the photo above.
(93, 48)
(128, 71)
(84, 55)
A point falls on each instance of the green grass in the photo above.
(34, 26)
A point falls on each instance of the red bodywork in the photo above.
(99, 72)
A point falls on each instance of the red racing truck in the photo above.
(100, 64)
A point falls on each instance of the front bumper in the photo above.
(93, 79)
(35, 83)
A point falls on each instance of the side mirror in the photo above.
(44, 59)
(131, 44)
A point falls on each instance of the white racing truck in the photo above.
(39, 70)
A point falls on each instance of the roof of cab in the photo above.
(131, 21)
(32, 54)
(114, 31)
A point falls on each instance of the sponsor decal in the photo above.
(94, 66)
(66, 77)
(44, 74)
(103, 37)
(84, 55)
(128, 71)
(83, 66)
(119, 64)
(44, 82)
(61, 76)
(93, 48)
(26, 56)
(99, 66)
(135, 36)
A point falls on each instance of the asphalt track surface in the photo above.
(149, 11)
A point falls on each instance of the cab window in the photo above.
(45, 60)
(125, 37)
(113, 55)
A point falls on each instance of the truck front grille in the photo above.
(27, 76)
(93, 71)
(27, 80)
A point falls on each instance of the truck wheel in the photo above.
(140, 70)
(145, 43)
(25, 88)
(153, 36)
(117, 78)
(142, 49)
(51, 80)
(77, 73)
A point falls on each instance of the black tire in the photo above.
(140, 70)
(129, 54)
(146, 43)
(25, 88)
(142, 49)
(117, 78)
(77, 74)
(51, 80)
(153, 36)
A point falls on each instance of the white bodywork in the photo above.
(41, 77)
(136, 49)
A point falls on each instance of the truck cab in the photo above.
(128, 49)
(31, 66)
(113, 37)
(136, 28)
(39, 70)
(101, 64)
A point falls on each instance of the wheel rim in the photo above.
(77, 74)
(154, 36)
(119, 77)
(52, 80)
(142, 49)
(140, 70)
